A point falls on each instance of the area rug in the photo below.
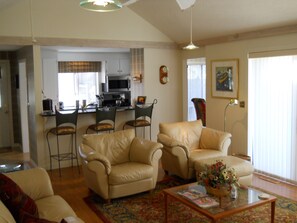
(146, 208)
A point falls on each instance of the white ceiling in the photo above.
(212, 18)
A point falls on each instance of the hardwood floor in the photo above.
(71, 187)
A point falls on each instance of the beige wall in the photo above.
(237, 118)
(169, 96)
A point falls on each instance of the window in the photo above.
(196, 83)
(272, 125)
(78, 81)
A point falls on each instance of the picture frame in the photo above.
(141, 100)
(224, 74)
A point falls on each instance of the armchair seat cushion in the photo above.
(129, 172)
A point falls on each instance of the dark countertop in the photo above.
(85, 111)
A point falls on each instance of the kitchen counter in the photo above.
(84, 111)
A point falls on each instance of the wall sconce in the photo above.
(232, 102)
(138, 77)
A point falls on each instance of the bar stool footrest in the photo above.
(64, 156)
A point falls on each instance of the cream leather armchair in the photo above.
(186, 142)
(119, 164)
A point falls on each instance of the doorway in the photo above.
(196, 77)
(5, 108)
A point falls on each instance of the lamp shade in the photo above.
(101, 5)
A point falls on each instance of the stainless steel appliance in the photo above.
(118, 99)
(118, 83)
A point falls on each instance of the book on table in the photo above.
(199, 198)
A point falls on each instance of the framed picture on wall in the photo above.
(141, 100)
(224, 75)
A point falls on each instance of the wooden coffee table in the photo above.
(247, 199)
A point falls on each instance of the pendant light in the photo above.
(101, 5)
(191, 46)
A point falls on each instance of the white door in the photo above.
(5, 111)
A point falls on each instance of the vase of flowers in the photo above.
(218, 179)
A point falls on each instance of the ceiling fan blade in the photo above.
(127, 2)
(184, 4)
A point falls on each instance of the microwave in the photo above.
(118, 83)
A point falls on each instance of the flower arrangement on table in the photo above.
(217, 177)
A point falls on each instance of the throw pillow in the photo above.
(15, 199)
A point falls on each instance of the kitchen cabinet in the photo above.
(118, 66)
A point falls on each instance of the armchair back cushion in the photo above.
(187, 132)
(115, 147)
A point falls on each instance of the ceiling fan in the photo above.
(112, 5)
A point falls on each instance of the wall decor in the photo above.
(163, 74)
(141, 100)
(224, 74)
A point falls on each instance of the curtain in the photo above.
(272, 115)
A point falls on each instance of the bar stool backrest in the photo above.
(66, 118)
(105, 114)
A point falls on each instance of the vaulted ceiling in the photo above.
(216, 19)
(219, 18)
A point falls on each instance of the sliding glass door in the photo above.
(272, 114)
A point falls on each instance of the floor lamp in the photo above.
(232, 102)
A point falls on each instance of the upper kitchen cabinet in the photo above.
(120, 66)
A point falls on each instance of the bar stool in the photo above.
(105, 120)
(66, 124)
(143, 117)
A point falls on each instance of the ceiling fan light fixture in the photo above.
(101, 5)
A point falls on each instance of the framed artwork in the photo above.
(224, 75)
(141, 100)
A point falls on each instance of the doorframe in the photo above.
(23, 92)
(10, 121)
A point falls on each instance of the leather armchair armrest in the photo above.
(215, 139)
(145, 151)
(172, 145)
(99, 157)
(89, 155)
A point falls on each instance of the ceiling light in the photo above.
(101, 5)
(191, 46)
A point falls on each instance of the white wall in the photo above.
(169, 96)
